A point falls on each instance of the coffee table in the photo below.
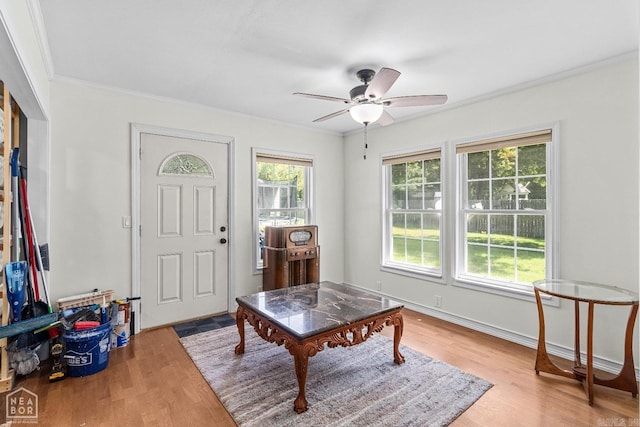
(306, 317)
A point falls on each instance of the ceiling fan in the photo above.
(366, 104)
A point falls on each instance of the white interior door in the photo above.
(184, 228)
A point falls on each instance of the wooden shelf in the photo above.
(10, 115)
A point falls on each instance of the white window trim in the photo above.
(309, 194)
(405, 269)
(551, 267)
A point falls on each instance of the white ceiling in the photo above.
(249, 56)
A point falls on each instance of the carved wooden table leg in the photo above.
(398, 325)
(301, 360)
(240, 323)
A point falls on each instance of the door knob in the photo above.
(223, 240)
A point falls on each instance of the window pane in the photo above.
(414, 172)
(186, 164)
(432, 170)
(501, 230)
(414, 226)
(478, 195)
(399, 194)
(478, 260)
(536, 198)
(503, 264)
(503, 162)
(431, 240)
(432, 196)
(477, 228)
(531, 232)
(414, 193)
(478, 165)
(398, 252)
(399, 173)
(531, 266)
(286, 183)
(532, 160)
(504, 194)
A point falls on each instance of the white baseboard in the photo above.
(555, 350)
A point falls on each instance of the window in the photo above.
(282, 193)
(186, 164)
(413, 212)
(504, 222)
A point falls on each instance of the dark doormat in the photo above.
(203, 325)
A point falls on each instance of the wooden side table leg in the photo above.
(398, 326)
(240, 323)
(626, 379)
(543, 363)
(301, 360)
(576, 338)
(590, 354)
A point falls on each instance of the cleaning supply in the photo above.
(58, 371)
(14, 273)
(82, 325)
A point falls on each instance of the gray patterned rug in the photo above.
(354, 386)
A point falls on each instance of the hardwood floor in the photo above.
(152, 382)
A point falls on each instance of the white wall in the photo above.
(24, 71)
(598, 203)
(91, 184)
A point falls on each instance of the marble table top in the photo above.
(313, 308)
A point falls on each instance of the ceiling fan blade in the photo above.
(382, 81)
(415, 100)
(323, 97)
(385, 119)
(330, 116)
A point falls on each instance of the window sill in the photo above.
(416, 273)
(504, 290)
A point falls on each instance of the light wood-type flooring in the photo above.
(152, 382)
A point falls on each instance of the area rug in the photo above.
(354, 386)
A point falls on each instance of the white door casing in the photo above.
(182, 219)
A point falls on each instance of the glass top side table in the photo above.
(591, 294)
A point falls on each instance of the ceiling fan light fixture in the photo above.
(366, 113)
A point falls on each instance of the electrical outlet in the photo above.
(438, 301)
(259, 288)
(379, 285)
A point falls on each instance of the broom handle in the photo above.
(39, 261)
(32, 257)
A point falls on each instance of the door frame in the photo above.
(136, 130)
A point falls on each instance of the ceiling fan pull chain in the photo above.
(366, 140)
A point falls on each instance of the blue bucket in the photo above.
(87, 350)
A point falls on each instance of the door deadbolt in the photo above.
(223, 228)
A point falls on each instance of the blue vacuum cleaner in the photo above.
(15, 274)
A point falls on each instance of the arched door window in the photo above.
(186, 164)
